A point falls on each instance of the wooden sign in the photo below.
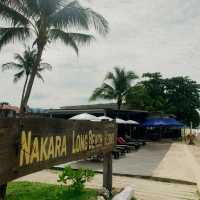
(32, 144)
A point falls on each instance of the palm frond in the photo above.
(44, 66)
(98, 22)
(118, 71)
(71, 39)
(12, 3)
(13, 33)
(39, 76)
(11, 65)
(18, 76)
(9, 13)
(76, 16)
(47, 7)
(72, 15)
(104, 92)
(130, 75)
(19, 58)
(56, 34)
(97, 93)
(109, 76)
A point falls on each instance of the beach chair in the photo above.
(121, 141)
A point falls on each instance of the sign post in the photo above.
(3, 191)
(28, 145)
(107, 171)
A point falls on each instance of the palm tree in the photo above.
(24, 66)
(119, 86)
(46, 21)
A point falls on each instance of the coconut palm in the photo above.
(116, 86)
(46, 21)
(24, 66)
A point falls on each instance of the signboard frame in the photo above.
(28, 145)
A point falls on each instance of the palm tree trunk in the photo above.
(32, 77)
(24, 89)
(119, 103)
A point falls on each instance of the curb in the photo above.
(153, 178)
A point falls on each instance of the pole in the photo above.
(3, 191)
(107, 171)
(191, 128)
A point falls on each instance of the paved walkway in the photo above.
(166, 160)
(144, 189)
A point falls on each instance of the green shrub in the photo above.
(75, 179)
(42, 191)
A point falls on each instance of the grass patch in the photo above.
(35, 191)
(198, 194)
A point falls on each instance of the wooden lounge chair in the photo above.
(116, 153)
(140, 141)
(126, 147)
(121, 141)
(121, 149)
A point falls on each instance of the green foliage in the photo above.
(177, 95)
(35, 191)
(198, 194)
(77, 178)
(116, 86)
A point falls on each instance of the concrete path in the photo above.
(193, 152)
(166, 160)
(144, 189)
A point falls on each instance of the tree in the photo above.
(155, 87)
(138, 98)
(148, 94)
(177, 95)
(47, 21)
(183, 99)
(24, 66)
(116, 86)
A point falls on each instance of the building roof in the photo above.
(9, 107)
(97, 107)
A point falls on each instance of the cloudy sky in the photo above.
(145, 36)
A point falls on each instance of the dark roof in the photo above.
(75, 111)
(91, 106)
(9, 107)
(101, 107)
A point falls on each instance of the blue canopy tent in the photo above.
(162, 122)
(156, 128)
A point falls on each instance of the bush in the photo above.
(75, 178)
(42, 191)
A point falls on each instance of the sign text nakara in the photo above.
(37, 149)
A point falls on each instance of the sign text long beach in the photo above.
(39, 149)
